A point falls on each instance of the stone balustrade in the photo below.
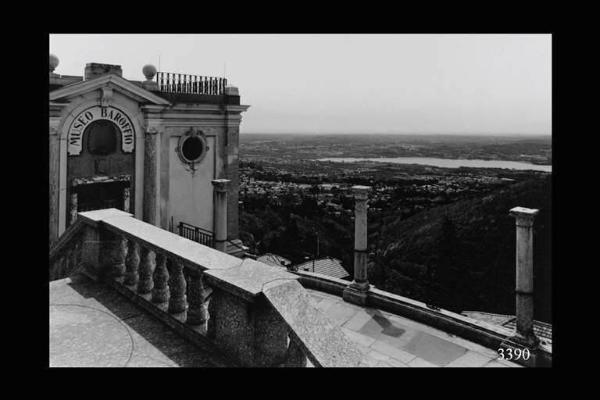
(66, 254)
(255, 314)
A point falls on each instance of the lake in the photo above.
(449, 163)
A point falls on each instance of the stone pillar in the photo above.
(356, 292)
(54, 148)
(524, 282)
(220, 214)
(151, 200)
(232, 168)
(126, 199)
(73, 208)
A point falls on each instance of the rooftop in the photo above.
(138, 295)
(325, 266)
(173, 87)
(92, 325)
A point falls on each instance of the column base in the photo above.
(356, 293)
(530, 341)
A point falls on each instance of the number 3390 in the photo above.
(510, 354)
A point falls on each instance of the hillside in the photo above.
(461, 256)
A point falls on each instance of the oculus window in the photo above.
(192, 148)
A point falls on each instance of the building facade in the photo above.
(151, 148)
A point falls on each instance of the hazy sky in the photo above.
(481, 84)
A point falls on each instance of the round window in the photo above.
(192, 148)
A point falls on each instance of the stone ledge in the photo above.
(192, 254)
(325, 344)
(248, 279)
(485, 334)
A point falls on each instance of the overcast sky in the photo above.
(474, 84)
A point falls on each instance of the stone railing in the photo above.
(480, 332)
(193, 84)
(255, 314)
(65, 256)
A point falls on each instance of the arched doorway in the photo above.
(101, 175)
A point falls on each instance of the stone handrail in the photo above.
(65, 254)
(255, 314)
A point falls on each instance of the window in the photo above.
(102, 137)
(192, 148)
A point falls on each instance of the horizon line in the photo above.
(397, 133)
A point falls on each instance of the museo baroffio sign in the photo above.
(84, 118)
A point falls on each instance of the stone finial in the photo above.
(149, 71)
(524, 215)
(231, 91)
(361, 192)
(53, 62)
(220, 184)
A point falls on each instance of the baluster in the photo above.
(160, 292)
(177, 286)
(205, 86)
(146, 284)
(132, 263)
(179, 83)
(116, 257)
(224, 84)
(198, 294)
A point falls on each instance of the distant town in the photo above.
(297, 207)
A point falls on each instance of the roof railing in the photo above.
(169, 82)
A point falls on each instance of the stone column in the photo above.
(126, 199)
(151, 200)
(356, 292)
(73, 207)
(54, 148)
(524, 283)
(220, 214)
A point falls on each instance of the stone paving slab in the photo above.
(470, 359)
(93, 326)
(386, 339)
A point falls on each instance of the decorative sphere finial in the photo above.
(53, 62)
(149, 71)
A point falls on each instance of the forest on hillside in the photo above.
(458, 256)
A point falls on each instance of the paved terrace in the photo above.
(141, 296)
(91, 325)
